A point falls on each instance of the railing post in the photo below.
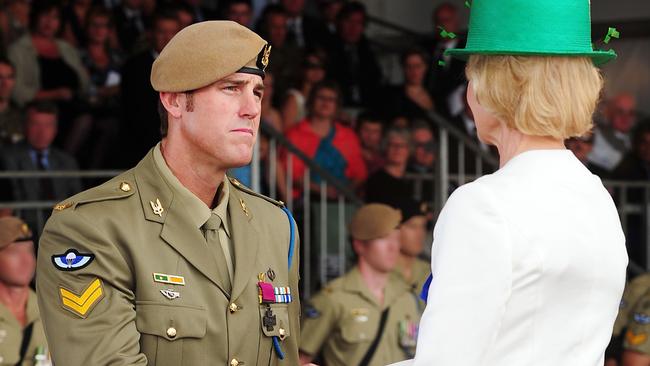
(442, 184)
(323, 232)
(273, 167)
(255, 167)
(289, 182)
(306, 239)
(342, 240)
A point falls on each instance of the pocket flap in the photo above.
(278, 320)
(171, 321)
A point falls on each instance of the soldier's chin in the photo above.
(242, 160)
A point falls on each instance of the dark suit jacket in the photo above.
(140, 129)
(367, 76)
(442, 80)
(314, 32)
(17, 157)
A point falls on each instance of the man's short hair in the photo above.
(350, 8)
(42, 106)
(5, 61)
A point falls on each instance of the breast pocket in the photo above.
(171, 334)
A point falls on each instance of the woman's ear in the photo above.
(172, 103)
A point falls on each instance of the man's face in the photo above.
(447, 18)
(414, 69)
(277, 29)
(370, 134)
(423, 141)
(293, 7)
(17, 264)
(397, 150)
(98, 29)
(164, 31)
(222, 127)
(351, 28)
(644, 148)
(412, 233)
(381, 254)
(40, 129)
(240, 13)
(7, 81)
(48, 23)
(621, 112)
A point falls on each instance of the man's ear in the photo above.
(172, 103)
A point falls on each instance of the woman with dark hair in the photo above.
(294, 108)
(48, 68)
(103, 63)
(411, 99)
(330, 144)
(73, 20)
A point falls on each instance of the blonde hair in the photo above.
(536, 95)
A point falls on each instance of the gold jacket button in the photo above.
(125, 187)
(235, 362)
(233, 308)
(171, 332)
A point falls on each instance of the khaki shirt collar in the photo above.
(197, 210)
(32, 312)
(392, 292)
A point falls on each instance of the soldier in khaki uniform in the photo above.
(411, 269)
(367, 316)
(634, 321)
(173, 263)
(22, 340)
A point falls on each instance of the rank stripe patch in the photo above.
(83, 303)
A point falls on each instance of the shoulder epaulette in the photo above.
(113, 189)
(243, 188)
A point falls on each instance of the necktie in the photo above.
(47, 188)
(211, 231)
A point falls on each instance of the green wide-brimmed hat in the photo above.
(531, 27)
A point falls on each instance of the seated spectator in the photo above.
(50, 69)
(331, 145)
(20, 321)
(411, 100)
(286, 59)
(423, 160)
(329, 10)
(304, 31)
(11, 117)
(294, 108)
(140, 129)
(36, 153)
(351, 61)
(103, 64)
(464, 123)
(443, 80)
(201, 13)
(635, 165)
(413, 230)
(73, 20)
(424, 152)
(130, 23)
(14, 21)
(611, 135)
(388, 185)
(370, 128)
(581, 148)
(239, 11)
(184, 13)
(366, 305)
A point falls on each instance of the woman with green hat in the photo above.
(529, 262)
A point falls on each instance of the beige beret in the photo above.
(13, 229)
(373, 221)
(208, 51)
